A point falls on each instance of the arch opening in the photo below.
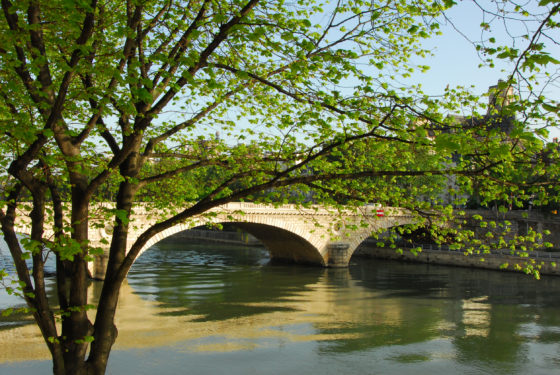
(282, 245)
(403, 236)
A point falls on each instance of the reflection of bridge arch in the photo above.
(313, 235)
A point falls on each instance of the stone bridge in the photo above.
(315, 235)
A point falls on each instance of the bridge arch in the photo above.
(285, 240)
(282, 245)
(295, 236)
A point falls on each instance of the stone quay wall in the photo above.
(548, 261)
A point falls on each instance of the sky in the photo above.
(456, 61)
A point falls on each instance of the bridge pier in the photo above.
(98, 267)
(338, 254)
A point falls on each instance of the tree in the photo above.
(108, 99)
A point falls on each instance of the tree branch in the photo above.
(202, 61)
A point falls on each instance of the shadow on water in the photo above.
(433, 281)
(493, 319)
(372, 304)
(212, 307)
(217, 282)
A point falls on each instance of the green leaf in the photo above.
(551, 108)
(7, 312)
(122, 215)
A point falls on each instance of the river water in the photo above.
(205, 308)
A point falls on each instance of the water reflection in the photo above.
(216, 310)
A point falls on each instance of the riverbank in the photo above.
(442, 255)
(433, 254)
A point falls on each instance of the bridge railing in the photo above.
(375, 210)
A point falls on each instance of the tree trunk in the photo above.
(105, 331)
(76, 325)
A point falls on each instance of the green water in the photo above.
(205, 308)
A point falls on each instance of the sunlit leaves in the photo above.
(281, 102)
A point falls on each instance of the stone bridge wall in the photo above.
(314, 235)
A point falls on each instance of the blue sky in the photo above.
(456, 62)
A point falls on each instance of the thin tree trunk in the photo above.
(43, 314)
(34, 294)
(76, 325)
